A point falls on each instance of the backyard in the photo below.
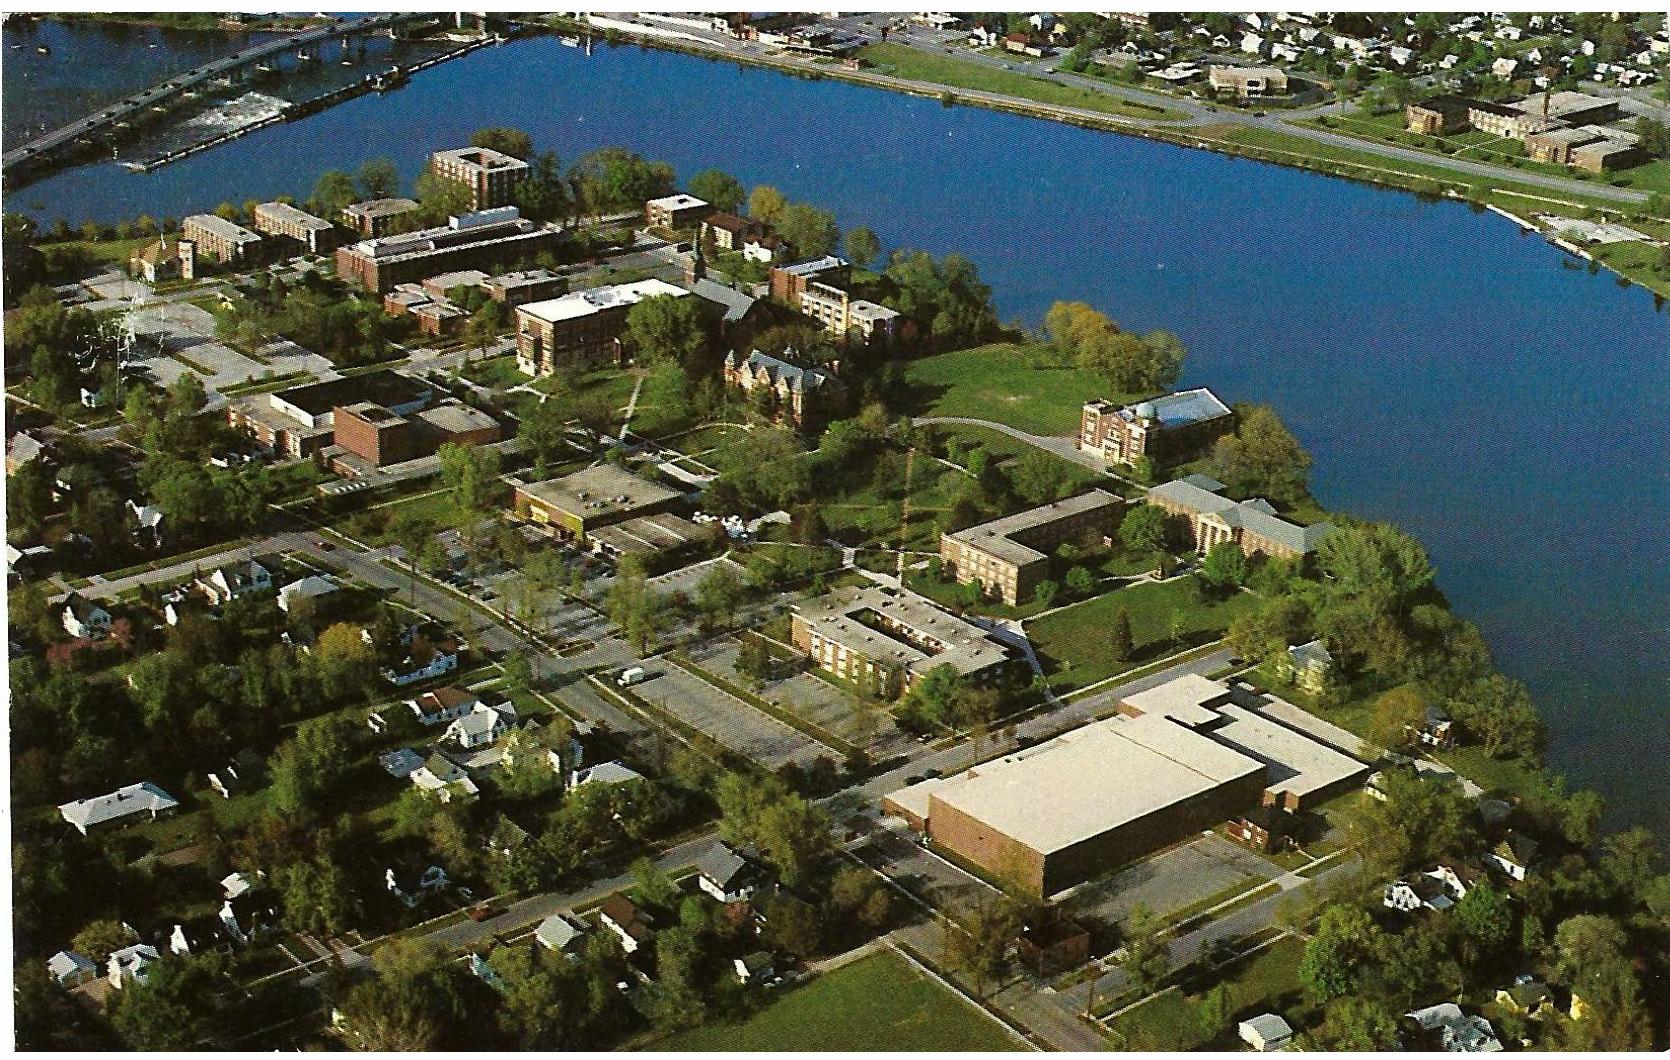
(1072, 643)
(1263, 982)
(878, 1004)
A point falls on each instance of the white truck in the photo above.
(630, 676)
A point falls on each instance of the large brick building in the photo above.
(281, 219)
(675, 211)
(1008, 557)
(490, 175)
(1253, 525)
(850, 319)
(1161, 430)
(1533, 116)
(799, 395)
(378, 436)
(582, 327)
(374, 218)
(789, 282)
(300, 420)
(578, 505)
(488, 240)
(1177, 759)
(1248, 82)
(890, 640)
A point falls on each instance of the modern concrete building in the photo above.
(789, 282)
(490, 175)
(1254, 524)
(578, 505)
(675, 211)
(799, 395)
(1592, 148)
(847, 318)
(890, 640)
(375, 218)
(281, 219)
(1178, 758)
(1248, 82)
(582, 327)
(1008, 557)
(1162, 429)
(221, 240)
(488, 240)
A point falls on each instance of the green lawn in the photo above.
(498, 372)
(1072, 643)
(878, 1004)
(916, 65)
(1024, 386)
(1266, 981)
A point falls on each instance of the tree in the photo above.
(1486, 917)
(766, 204)
(667, 329)
(1080, 582)
(654, 885)
(1357, 1025)
(483, 327)
(1263, 457)
(544, 433)
(472, 473)
(441, 198)
(1039, 477)
(1498, 710)
(976, 941)
(1143, 530)
(173, 1009)
(720, 592)
(100, 938)
(542, 194)
(1216, 1007)
(1045, 592)
(1337, 956)
(315, 761)
(513, 142)
(810, 230)
(1121, 644)
(379, 179)
(862, 247)
(1224, 568)
(319, 898)
(1398, 719)
(331, 192)
(1146, 957)
(1264, 633)
(1418, 823)
(718, 188)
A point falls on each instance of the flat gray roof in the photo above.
(220, 226)
(283, 211)
(997, 536)
(599, 489)
(930, 637)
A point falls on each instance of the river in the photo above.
(1450, 374)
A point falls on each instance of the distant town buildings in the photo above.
(491, 176)
(1008, 557)
(1160, 430)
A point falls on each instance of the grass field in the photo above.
(1267, 981)
(1073, 643)
(913, 64)
(878, 1004)
(1023, 386)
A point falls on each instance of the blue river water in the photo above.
(1450, 374)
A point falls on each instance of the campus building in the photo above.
(300, 420)
(490, 175)
(1162, 430)
(798, 395)
(579, 505)
(1248, 82)
(375, 218)
(675, 211)
(281, 219)
(1214, 518)
(582, 327)
(1176, 760)
(220, 240)
(847, 318)
(1008, 557)
(488, 240)
(789, 282)
(378, 436)
(890, 640)
(1541, 113)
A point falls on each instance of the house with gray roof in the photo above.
(1251, 524)
(85, 619)
(69, 968)
(560, 933)
(727, 873)
(118, 806)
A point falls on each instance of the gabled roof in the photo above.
(558, 932)
(81, 607)
(1517, 847)
(68, 962)
(606, 773)
(625, 914)
(143, 797)
(779, 370)
(721, 864)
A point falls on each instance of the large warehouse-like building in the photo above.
(1180, 758)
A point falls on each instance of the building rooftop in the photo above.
(736, 303)
(380, 207)
(224, 229)
(1176, 410)
(660, 532)
(1256, 515)
(455, 417)
(998, 537)
(1189, 699)
(870, 311)
(446, 281)
(283, 211)
(482, 158)
(1297, 764)
(1559, 104)
(143, 797)
(599, 489)
(1093, 779)
(483, 226)
(799, 377)
(926, 636)
(677, 202)
(584, 303)
(387, 388)
(814, 266)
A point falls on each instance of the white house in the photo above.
(1504, 67)
(311, 587)
(69, 968)
(427, 657)
(411, 892)
(442, 775)
(1437, 889)
(148, 519)
(1513, 855)
(85, 619)
(727, 874)
(1454, 1031)
(482, 726)
(443, 705)
(602, 773)
(630, 924)
(131, 964)
(1266, 1032)
(118, 806)
(232, 580)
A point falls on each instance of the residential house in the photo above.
(71, 969)
(755, 968)
(430, 652)
(198, 935)
(411, 889)
(442, 705)
(729, 874)
(1436, 729)
(131, 964)
(506, 838)
(631, 925)
(560, 933)
(1527, 997)
(85, 619)
(483, 725)
(251, 912)
(1266, 1032)
(1445, 1027)
(147, 520)
(1306, 666)
(442, 775)
(1513, 856)
(226, 583)
(306, 590)
(602, 773)
(1437, 889)
(118, 807)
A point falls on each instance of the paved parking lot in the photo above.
(726, 718)
(1175, 878)
(893, 850)
(818, 701)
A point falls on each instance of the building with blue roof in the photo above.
(1161, 430)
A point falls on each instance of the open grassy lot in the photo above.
(878, 1004)
(498, 372)
(1073, 643)
(916, 65)
(1024, 386)
(1264, 982)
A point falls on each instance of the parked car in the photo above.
(630, 676)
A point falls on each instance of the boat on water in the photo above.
(572, 42)
(43, 49)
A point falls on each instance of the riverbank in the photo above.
(1291, 149)
(193, 21)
